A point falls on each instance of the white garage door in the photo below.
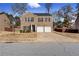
(43, 29)
(47, 29)
(40, 29)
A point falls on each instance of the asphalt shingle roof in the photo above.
(42, 14)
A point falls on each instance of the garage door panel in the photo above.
(40, 29)
(47, 29)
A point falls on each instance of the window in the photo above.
(32, 19)
(29, 20)
(46, 19)
(26, 27)
(40, 19)
(49, 19)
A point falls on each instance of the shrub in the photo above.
(21, 31)
(67, 30)
(58, 29)
(72, 30)
(28, 31)
(24, 31)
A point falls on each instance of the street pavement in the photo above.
(39, 49)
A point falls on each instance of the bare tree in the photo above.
(19, 8)
(66, 9)
(48, 7)
(65, 14)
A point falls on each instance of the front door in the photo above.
(33, 28)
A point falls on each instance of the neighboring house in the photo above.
(77, 23)
(4, 22)
(37, 22)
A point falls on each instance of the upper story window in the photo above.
(49, 19)
(40, 19)
(46, 19)
(29, 19)
(32, 19)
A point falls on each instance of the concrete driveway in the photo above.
(53, 37)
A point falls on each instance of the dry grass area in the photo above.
(70, 35)
(17, 37)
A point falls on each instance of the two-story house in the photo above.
(37, 22)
